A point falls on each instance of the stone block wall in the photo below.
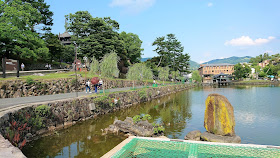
(33, 121)
(20, 88)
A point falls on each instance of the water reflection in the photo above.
(256, 114)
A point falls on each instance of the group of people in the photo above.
(99, 84)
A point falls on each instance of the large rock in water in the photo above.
(219, 115)
(221, 139)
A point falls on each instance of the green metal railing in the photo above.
(146, 148)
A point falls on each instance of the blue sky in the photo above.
(207, 29)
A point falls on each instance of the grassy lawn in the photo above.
(254, 81)
(49, 76)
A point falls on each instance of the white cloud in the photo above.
(210, 4)
(133, 6)
(247, 41)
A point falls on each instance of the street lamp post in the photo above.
(76, 87)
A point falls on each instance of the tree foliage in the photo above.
(17, 36)
(132, 46)
(94, 66)
(54, 46)
(175, 74)
(196, 77)
(42, 16)
(109, 65)
(171, 53)
(163, 73)
(68, 53)
(241, 71)
(139, 71)
(95, 36)
(259, 58)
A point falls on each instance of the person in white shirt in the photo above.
(100, 83)
(22, 66)
(88, 86)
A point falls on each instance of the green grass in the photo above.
(49, 76)
(254, 81)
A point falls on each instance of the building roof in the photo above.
(221, 74)
(222, 64)
(210, 65)
(65, 34)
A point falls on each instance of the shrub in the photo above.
(158, 129)
(142, 94)
(136, 118)
(29, 81)
(146, 117)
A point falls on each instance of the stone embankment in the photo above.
(256, 83)
(25, 124)
(21, 88)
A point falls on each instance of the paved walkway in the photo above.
(15, 102)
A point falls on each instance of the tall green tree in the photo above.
(132, 46)
(241, 71)
(54, 46)
(139, 71)
(16, 35)
(109, 65)
(163, 73)
(94, 66)
(182, 63)
(68, 53)
(259, 58)
(95, 36)
(171, 52)
(196, 77)
(44, 20)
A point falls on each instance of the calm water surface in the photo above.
(256, 110)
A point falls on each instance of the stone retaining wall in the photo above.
(20, 88)
(255, 83)
(28, 123)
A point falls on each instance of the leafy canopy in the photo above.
(139, 71)
(196, 77)
(94, 66)
(132, 46)
(95, 36)
(163, 73)
(16, 34)
(109, 65)
(171, 53)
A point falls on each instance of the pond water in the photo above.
(256, 110)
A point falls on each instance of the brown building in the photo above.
(65, 38)
(207, 71)
(264, 63)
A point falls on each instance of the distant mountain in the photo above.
(193, 65)
(144, 59)
(231, 60)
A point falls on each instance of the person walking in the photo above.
(22, 66)
(88, 86)
(100, 83)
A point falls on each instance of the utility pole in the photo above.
(76, 87)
